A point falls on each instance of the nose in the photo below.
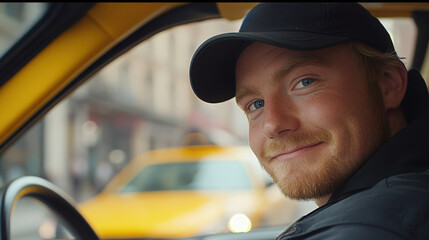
(280, 117)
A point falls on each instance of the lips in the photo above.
(295, 150)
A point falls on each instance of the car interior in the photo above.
(89, 88)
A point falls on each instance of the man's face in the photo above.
(312, 122)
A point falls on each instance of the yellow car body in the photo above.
(164, 212)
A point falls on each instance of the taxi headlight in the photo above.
(239, 223)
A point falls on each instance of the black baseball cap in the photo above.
(296, 26)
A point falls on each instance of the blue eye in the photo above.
(304, 83)
(256, 105)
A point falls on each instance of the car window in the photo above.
(140, 102)
(16, 18)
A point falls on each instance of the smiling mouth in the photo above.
(295, 151)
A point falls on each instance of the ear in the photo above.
(393, 85)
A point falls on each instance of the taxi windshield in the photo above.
(208, 175)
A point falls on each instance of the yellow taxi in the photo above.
(182, 192)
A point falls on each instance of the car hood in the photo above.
(163, 214)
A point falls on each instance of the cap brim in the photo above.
(212, 69)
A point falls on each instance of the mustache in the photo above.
(292, 141)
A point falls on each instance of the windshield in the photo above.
(208, 175)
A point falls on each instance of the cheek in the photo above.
(324, 111)
(256, 140)
(355, 128)
(332, 107)
(333, 114)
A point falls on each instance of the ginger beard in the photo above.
(315, 177)
(296, 178)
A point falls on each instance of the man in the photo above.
(333, 116)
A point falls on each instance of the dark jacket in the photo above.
(388, 196)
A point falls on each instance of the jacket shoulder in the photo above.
(395, 208)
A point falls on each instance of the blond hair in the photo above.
(372, 61)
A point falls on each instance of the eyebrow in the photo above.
(284, 70)
(242, 93)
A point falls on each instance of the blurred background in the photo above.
(140, 102)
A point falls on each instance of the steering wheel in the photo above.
(50, 195)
